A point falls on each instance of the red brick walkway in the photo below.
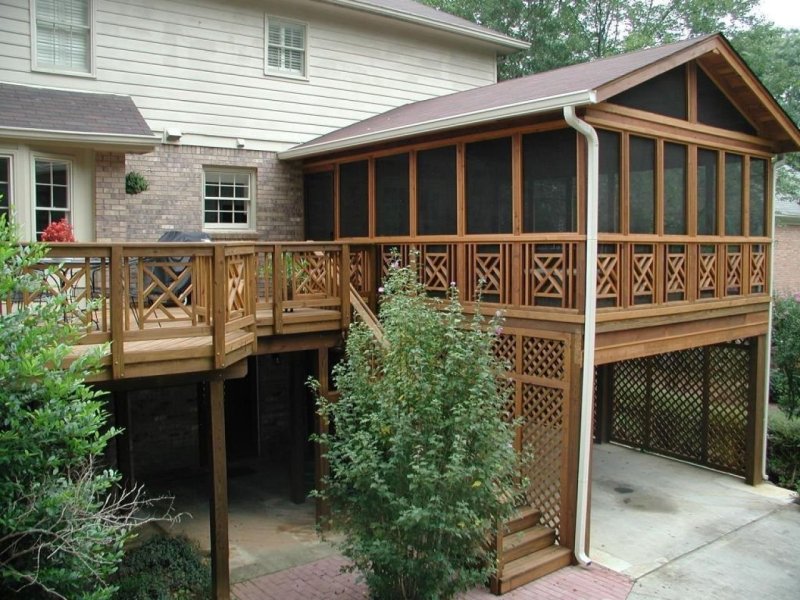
(322, 579)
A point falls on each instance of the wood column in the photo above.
(757, 412)
(218, 505)
(299, 428)
(124, 440)
(321, 466)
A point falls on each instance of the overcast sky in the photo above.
(784, 13)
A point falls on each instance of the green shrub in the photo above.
(785, 375)
(422, 462)
(783, 450)
(136, 183)
(164, 568)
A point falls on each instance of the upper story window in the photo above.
(286, 48)
(62, 35)
(228, 199)
(52, 192)
(5, 186)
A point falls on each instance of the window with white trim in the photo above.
(52, 192)
(5, 186)
(227, 199)
(63, 35)
(286, 48)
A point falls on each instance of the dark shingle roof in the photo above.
(410, 10)
(43, 109)
(540, 87)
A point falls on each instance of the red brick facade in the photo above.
(787, 259)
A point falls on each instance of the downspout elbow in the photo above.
(590, 321)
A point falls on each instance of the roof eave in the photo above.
(133, 142)
(505, 44)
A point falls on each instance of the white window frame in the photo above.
(280, 72)
(35, 66)
(250, 225)
(10, 184)
(68, 212)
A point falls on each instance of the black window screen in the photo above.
(664, 95)
(675, 189)
(758, 196)
(391, 195)
(489, 186)
(354, 199)
(733, 194)
(608, 204)
(706, 192)
(318, 192)
(436, 191)
(642, 185)
(714, 108)
(549, 181)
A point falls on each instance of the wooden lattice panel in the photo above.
(733, 271)
(758, 268)
(437, 267)
(707, 272)
(548, 275)
(643, 274)
(543, 358)
(691, 404)
(359, 270)
(396, 253)
(505, 348)
(488, 266)
(608, 280)
(237, 283)
(543, 436)
(310, 273)
(159, 290)
(675, 273)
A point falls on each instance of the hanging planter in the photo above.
(135, 183)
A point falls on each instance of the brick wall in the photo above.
(174, 198)
(787, 259)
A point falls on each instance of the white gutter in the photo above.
(477, 32)
(777, 163)
(476, 117)
(82, 137)
(590, 316)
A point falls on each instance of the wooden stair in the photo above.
(526, 551)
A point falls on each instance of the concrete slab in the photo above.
(268, 533)
(648, 512)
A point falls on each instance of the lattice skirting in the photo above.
(693, 404)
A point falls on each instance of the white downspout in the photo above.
(777, 163)
(590, 313)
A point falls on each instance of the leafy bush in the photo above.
(136, 183)
(422, 462)
(783, 450)
(63, 521)
(785, 375)
(164, 568)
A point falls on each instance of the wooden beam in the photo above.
(124, 440)
(218, 501)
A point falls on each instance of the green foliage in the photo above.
(423, 465)
(164, 568)
(783, 450)
(135, 183)
(56, 538)
(785, 357)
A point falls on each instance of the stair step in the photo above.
(524, 570)
(525, 518)
(525, 542)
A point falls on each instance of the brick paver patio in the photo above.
(323, 579)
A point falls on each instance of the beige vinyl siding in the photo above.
(199, 65)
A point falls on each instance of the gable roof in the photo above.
(29, 112)
(421, 14)
(577, 85)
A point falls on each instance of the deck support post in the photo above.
(754, 446)
(321, 465)
(124, 440)
(298, 418)
(218, 505)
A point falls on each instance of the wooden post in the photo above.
(570, 443)
(218, 505)
(122, 420)
(321, 466)
(118, 311)
(220, 304)
(297, 412)
(344, 284)
(757, 412)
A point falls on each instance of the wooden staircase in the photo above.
(526, 551)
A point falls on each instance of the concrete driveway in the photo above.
(683, 532)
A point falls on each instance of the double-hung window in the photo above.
(62, 35)
(228, 199)
(5, 186)
(52, 192)
(286, 48)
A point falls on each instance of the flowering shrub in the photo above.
(785, 372)
(422, 462)
(58, 231)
